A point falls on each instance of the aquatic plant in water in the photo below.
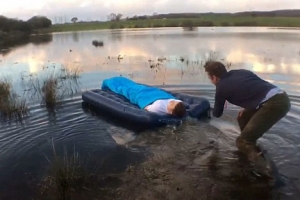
(50, 92)
(66, 175)
(11, 105)
(54, 86)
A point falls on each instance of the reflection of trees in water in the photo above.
(4, 52)
(116, 35)
(8, 40)
(22, 41)
(75, 36)
(41, 39)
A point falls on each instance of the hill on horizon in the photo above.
(274, 13)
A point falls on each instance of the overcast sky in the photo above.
(64, 10)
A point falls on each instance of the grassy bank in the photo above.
(179, 22)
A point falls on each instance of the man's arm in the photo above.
(219, 104)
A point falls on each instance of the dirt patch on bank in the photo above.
(194, 162)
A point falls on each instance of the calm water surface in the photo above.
(170, 58)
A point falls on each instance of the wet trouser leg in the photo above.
(254, 123)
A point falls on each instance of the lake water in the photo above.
(169, 58)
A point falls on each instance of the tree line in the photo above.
(11, 25)
(14, 31)
(275, 13)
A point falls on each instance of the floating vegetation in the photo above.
(120, 58)
(228, 65)
(182, 72)
(186, 66)
(67, 73)
(161, 59)
(212, 56)
(11, 105)
(98, 43)
(187, 62)
(154, 65)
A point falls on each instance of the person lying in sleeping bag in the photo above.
(150, 98)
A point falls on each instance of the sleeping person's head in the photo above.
(176, 108)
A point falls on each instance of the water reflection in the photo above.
(75, 36)
(116, 35)
(36, 40)
(41, 39)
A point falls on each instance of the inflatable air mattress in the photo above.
(119, 107)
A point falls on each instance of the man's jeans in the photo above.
(254, 123)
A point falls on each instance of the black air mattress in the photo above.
(120, 107)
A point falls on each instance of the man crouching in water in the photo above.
(263, 104)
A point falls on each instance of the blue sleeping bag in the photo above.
(136, 93)
(127, 102)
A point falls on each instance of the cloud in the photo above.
(99, 9)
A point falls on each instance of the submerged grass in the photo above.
(66, 175)
(69, 179)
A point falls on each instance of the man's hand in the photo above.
(241, 112)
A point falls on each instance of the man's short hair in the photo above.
(179, 110)
(215, 68)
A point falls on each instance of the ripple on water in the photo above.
(23, 147)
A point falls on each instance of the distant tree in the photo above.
(23, 26)
(74, 19)
(112, 17)
(118, 17)
(3, 23)
(39, 22)
(2, 20)
(8, 24)
(135, 17)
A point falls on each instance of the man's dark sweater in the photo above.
(242, 88)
